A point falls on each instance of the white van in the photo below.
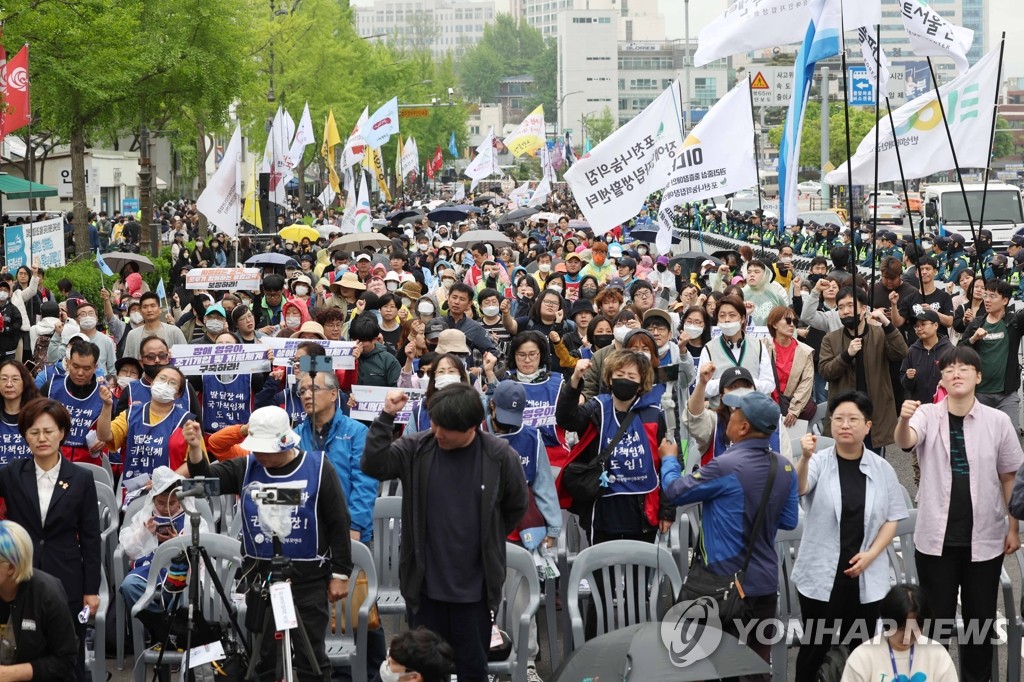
(943, 204)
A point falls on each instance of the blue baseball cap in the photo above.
(509, 402)
(761, 411)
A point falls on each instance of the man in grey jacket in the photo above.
(464, 491)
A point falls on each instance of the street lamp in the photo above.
(561, 100)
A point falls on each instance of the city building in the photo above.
(640, 19)
(441, 26)
(588, 68)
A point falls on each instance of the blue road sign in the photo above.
(862, 90)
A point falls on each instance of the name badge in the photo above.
(28, 625)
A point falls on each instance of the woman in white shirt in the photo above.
(853, 501)
(901, 652)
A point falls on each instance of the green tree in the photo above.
(862, 119)
(545, 77)
(600, 127)
(1003, 146)
(510, 47)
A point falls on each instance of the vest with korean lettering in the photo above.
(632, 465)
(301, 542)
(524, 441)
(84, 413)
(226, 403)
(148, 444)
(543, 396)
(12, 445)
(139, 393)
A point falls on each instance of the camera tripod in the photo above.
(195, 553)
(281, 571)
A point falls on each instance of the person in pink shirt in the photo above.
(969, 454)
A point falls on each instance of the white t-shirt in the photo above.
(870, 662)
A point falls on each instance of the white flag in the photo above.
(381, 125)
(484, 163)
(410, 157)
(924, 148)
(612, 182)
(543, 189)
(303, 137)
(328, 196)
(355, 147)
(348, 218)
(275, 156)
(750, 25)
(460, 192)
(221, 201)
(520, 194)
(717, 156)
(874, 56)
(363, 216)
(933, 36)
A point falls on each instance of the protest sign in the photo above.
(370, 402)
(40, 244)
(223, 279)
(236, 358)
(340, 352)
(539, 415)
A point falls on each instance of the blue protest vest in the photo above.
(544, 394)
(421, 416)
(84, 412)
(524, 441)
(301, 543)
(630, 466)
(226, 403)
(148, 444)
(139, 392)
(12, 445)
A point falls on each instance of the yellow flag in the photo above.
(331, 138)
(251, 207)
(377, 169)
(398, 163)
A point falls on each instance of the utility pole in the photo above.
(689, 61)
(150, 232)
(825, 150)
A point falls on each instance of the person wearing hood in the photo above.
(45, 328)
(762, 292)
(293, 315)
(301, 289)
(632, 506)
(857, 357)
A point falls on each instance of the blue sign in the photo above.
(130, 205)
(15, 247)
(862, 90)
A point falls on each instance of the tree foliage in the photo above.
(509, 47)
(600, 127)
(862, 119)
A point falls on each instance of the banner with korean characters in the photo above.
(370, 402)
(340, 352)
(235, 358)
(223, 279)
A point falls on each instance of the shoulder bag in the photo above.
(727, 590)
(582, 480)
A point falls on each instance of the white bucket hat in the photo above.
(270, 431)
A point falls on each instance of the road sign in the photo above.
(414, 112)
(772, 86)
(861, 91)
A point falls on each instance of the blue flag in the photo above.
(452, 149)
(104, 268)
(820, 41)
(160, 291)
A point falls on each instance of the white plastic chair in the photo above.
(787, 546)
(349, 649)
(387, 540)
(520, 574)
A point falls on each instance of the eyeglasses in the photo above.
(308, 390)
(551, 303)
(847, 421)
(48, 433)
(643, 293)
(533, 355)
(156, 357)
(10, 380)
(957, 370)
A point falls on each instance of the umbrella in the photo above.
(468, 208)
(360, 240)
(449, 214)
(550, 217)
(273, 260)
(484, 198)
(650, 236)
(412, 220)
(691, 261)
(579, 225)
(298, 232)
(638, 653)
(724, 254)
(517, 215)
(486, 236)
(398, 216)
(116, 260)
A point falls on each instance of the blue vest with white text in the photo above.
(226, 403)
(84, 411)
(12, 445)
(301, 542)
(630, 467)
(147, 445)
(545, 395)
(525, 441)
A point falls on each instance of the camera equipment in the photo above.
(279, 496)
(200, 486)
(315, 363)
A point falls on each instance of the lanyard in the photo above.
(892, 659)
(728, 351)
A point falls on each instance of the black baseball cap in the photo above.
(732, 375)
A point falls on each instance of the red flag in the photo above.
(14, 89)
(438, 161)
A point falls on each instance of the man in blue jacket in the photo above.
(731, 487)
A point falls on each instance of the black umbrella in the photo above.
(398, 216)
(517, 215)
(639, 654)
(449, 214)
(484, 198)
(723, 255)
(691, 261)
(650, 236)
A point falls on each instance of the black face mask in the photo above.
(152, 370)
(602, 340)
(661, 268)
(849, 322)
(625, 389)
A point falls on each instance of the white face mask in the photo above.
(293, 321)
(544, 267)
(730, 328)
(555, 287)
(490, 310)
(215, 326)
(442, 380)
(447, 282)
(135, 317)
(301, 290)
(620, 334)
(123, 381)
(163, 392)
(391, 286)
(387, 674)
(425, 310)
(88, 323)
(693, 330)
(4, 296)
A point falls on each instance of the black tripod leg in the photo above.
(228, 604)
(307, 646)
(257, 645)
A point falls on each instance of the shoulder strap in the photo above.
(759, 519)
(603, 456)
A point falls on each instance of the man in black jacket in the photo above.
(465, 491)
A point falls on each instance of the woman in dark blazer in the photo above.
(34, 604)
(66, 538)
